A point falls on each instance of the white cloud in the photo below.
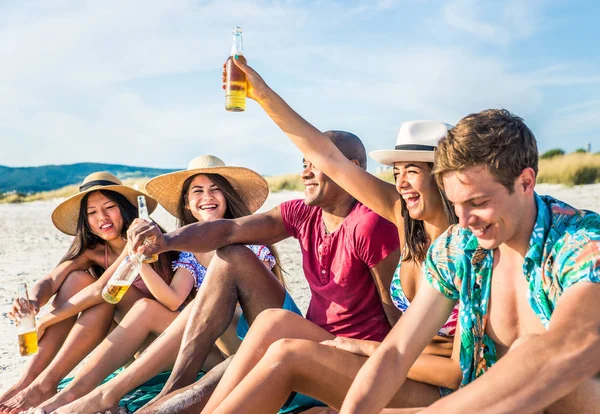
(495, 22)
(138, 82)
(582, 119)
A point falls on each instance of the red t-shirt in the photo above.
(337, 266)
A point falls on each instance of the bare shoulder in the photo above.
(93, 255)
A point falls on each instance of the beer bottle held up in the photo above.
(235, 81)
(26, 329)
(143, 214)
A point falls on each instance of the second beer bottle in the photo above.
(235, 82)
(143, 214)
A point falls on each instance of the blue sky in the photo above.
(138, 82)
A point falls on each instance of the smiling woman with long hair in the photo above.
(97, 217)
(266, 370)
(208, 190)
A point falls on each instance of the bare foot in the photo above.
(95, 401)
(30, 397)
(64, 397)
(12, 391)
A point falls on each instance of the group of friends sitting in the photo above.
(457, 290)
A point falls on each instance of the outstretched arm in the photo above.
(559, 360)
(385, 371)
(170, 296)
(264, 228)
(378, 195)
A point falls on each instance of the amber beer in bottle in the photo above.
(143, 214)
(235, 82)
(122, 279)
(26, 330)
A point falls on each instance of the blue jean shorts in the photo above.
(295, 400)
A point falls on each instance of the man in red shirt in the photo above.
(349, 255)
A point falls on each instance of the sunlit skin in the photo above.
(205, 200)
(105, 221)
(319, 189)
(488, 209)
(104, 216)
(416, 186)
(315, 184)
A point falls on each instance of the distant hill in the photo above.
(52, 177)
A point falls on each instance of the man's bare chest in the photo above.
(510, 315)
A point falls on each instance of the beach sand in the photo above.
(31, 246)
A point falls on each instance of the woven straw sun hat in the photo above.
(251, 186)
(417, 141)
(65, 216)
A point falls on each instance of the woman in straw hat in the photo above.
(421, 212)
(208, 190)
(98, 217)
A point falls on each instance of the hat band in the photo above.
(414, 147)
(94, 183)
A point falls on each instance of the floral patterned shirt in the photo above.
(564, 249)
(188, 261)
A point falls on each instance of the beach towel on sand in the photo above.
(136, 399)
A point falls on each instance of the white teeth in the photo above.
(479, 231)
(410, 197)
(105, 226)
(208, 207)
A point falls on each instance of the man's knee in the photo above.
(234, 252)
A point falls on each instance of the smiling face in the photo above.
(318, 187)
(418, 189)
(205, 199)
(104, 216)
(486, 207)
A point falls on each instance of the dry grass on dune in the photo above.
(290, 182)
(570, 169)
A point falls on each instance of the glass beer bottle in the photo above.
(122, 278)
(26, 330)
(143, 214)
(235, 81)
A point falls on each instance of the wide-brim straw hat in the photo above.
(417, 141)
(251, 186)
(65, 216)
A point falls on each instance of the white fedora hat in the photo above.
(417, 140)
(250, 185)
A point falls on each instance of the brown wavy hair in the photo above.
(235, 208)
(495, 138)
